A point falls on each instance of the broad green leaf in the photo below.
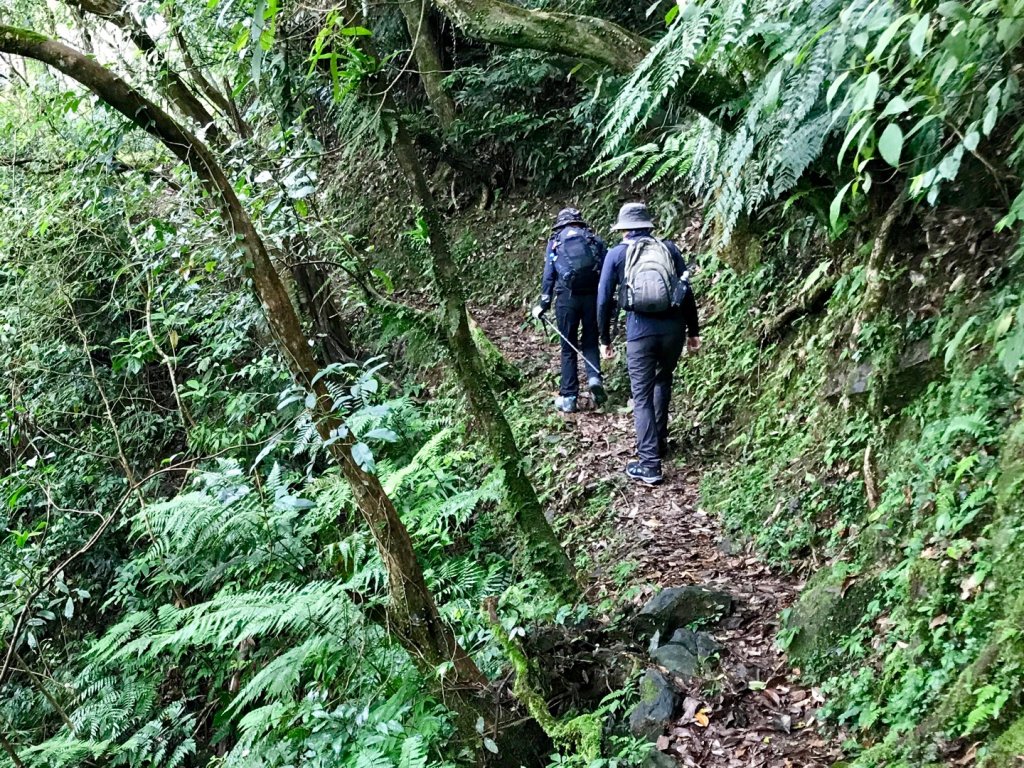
(918, 35)
(850, 136)
(363, 456)
(869, 91)
(953, 10)
(954, 345)
(834, 88)
(886, 37)
(890, 144)
(837, 205)
(897, 106)
(1013, 350)
(813, 278)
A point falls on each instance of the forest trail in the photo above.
(758, 714)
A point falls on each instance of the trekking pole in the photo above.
(572, 346)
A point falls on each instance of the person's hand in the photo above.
(693, 344)
(607, 351)
(538, 311)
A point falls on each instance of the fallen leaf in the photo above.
(938, 621)
(702, 719)
(690, 706)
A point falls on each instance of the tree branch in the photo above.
(588, 37)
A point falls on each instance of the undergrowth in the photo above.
(882, 455)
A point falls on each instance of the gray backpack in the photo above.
(650, 283)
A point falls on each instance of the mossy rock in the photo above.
(1008, 750)
(1011, 475)
(824, 614)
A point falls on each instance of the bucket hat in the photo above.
(568, 216)
(634, 216)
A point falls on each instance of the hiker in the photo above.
(572, 269)
(647, 277)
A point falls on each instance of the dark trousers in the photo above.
(576, 317)
(652, 361)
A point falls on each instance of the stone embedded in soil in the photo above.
(656, 707)
(700, 644)
(657, 759)
(677, 659)
(678, 607)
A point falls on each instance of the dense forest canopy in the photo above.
(281, 482)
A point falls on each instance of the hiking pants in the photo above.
(575, 314)
(652, 361)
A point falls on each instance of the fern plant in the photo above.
(890, 88)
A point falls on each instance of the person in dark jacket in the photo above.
(572, 269)
(654, 343)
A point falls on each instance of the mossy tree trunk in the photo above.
(545, 549)
(585, 37)
(428, 59)
(412, 616)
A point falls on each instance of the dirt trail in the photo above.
(758, 714)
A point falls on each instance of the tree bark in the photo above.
(587, 37)
(316, 295)
(412, 614)
(428, 60)
(171, 84)
(544, 547)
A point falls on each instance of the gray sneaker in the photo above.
(638, 471)
(566, 403)
(597, 390)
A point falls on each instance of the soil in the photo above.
(753, 711)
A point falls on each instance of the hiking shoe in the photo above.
(566, 403)
(638, 471)
(597, 390)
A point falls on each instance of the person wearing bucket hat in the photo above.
(572, 268)
(647, 277)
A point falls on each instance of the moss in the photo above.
(20, 37)
(1011, 469)
(1008, 750)
(924, 579)
(582, 734)
(502, 373)
(824, 614)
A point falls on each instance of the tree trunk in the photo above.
(587, 37)
(316, 296)
(428, 60)
(543, 546)
(545, 549)
(412, 614)
(170, 82)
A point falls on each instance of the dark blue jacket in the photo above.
(639, 324)
(551, 286)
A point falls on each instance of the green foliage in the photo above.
(876, 86)
(935, 638)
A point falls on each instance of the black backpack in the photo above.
(576, 259)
